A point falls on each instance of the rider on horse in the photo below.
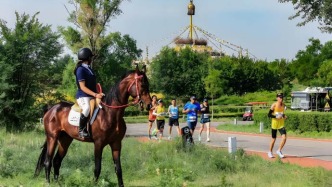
(86, 83)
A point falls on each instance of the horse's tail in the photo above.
(41, 159)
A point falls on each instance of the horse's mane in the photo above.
(114, 92)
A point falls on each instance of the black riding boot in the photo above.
(82, 128)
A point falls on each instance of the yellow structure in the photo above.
(199, 45)
(191, 12)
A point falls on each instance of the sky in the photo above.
(261, 26)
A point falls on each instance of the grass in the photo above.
(151, 163)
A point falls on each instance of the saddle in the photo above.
(94, 103)
(75, 112)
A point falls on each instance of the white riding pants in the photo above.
(84, 103)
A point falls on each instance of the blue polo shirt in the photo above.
(192, 114)
(85, 73)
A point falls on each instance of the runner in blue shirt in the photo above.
(192, 108)
(173, 111)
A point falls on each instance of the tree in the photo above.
(281, 75)
(307, 62)
(113, 52)
(91, 18)
(68, 85)
(179, 73)
(312, 10)
(325, 74)
(213, 85)
(116, 57)
(27, 53)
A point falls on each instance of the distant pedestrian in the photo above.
(159, 111)
(192, 108)
(205, 120)
(278, 124)
(152, 118)
(173, 111)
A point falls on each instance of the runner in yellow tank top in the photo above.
(279, 121)
(160, 113)
(276, 112)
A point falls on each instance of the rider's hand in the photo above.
(99, 95)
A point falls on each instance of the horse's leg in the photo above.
(51, 145)
(116, 153)
(98, 155)
(64, 142)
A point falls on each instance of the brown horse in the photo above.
(109, 127)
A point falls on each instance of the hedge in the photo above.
(299, 121)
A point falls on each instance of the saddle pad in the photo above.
(74, 117)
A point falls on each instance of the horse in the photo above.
(109, 127)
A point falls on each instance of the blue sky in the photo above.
(261, 26)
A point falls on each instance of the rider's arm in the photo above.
(88, 91)
(270, 115)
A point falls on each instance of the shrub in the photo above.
(300, 121)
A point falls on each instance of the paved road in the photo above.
(295, 147)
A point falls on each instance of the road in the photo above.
(296, 149)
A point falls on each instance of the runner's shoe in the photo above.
(279, 153)
(208, 140)
(270, 155)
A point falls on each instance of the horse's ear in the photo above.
(137, 70)
(144, 68)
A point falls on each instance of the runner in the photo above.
(278, 120)
(205, 120)
(173, 111)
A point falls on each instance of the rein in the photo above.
(137, 93)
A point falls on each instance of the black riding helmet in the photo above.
(84, 54)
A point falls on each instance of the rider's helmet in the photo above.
(84, 54)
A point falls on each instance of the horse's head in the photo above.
(140, 88)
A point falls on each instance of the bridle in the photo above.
(137, 99)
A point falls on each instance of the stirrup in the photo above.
(83, 134)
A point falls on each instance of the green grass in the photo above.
(151, 164)
(255, 129)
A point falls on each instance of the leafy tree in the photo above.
(91, 18)
(116, 57)
(312, 10)
(68, 85)
(325, 74)
(179, 73)
(113, 52)
(326, 51)
(27, 54)
(213, 85)
(248, 76)
(5, 86)
(307, 62)
(281, 76)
